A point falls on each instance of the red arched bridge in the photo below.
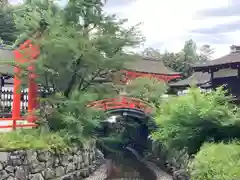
(122, 104)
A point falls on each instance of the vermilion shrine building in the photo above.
(149, 67)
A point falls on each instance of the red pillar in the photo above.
(32, 98)
(16, 94)
(32, 86)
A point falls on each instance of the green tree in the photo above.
(186, 58)
(79, 44)
(73, 53)
(7, 26)
(181, 61)
(146, 89)
(206, 52)
(152, 53)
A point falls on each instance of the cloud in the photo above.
(168, 23)
(118, 3)
(220, 28)
(231, 10)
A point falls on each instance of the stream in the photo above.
(130, 166)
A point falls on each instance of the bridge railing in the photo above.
(120, 102)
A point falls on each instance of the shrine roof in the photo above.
(197, 78)
(232, 58)
(149, 65)
(6, 55)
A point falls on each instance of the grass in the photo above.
(32, 139)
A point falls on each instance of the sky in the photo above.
(167, 24)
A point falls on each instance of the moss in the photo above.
(32, 139)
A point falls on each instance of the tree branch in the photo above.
(97, 74)
(73, 78)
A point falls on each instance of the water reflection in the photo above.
(130, 166)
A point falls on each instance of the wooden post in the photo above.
(32, 85)
(32, 98)
(16, 97)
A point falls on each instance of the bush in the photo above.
(72, 119)
(185, 122)
(31, 139)
(147, 89)
(216, 161)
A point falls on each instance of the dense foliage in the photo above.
(186, 126)
(72, 119)
(185, 122)
(217, 161)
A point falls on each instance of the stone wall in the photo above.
(45, 165)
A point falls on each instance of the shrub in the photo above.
(147, 89)
(185, 122)
(31, 139)
(216, 161)
(72, 119)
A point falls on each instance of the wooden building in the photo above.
(199, 79)
(223, 71)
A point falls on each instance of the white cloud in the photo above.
(171, 21)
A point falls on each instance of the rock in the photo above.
(75, 149)
(37, 167)
(70, 168)
(70, 158)
(1, 166)
(64, 160)
(31, 155)
(49, 173)
(21, 174)
(9, 169)
(99, 154)
(78, 165)
(79, 177)
(11, 178)
(3, 175)
(84, 172)
(82, 165)
(56, 162)
(86, 162)
(68, 177)
(75, 158)
(15, 160)
(3, 156)
(37, 176)
(60, 171)
(43, 156)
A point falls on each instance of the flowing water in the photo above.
(128, 166)
(133, 166)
